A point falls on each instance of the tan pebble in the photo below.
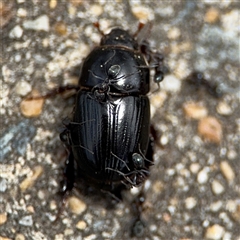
(53, 4)
(210, 129)
(30, 209)
(53, 205)
(76, 205)
(68, 232)
(224, 109)
(166, 217)
(190, 202)
(33, 107)
(194, 167)
(236, 214)
(3, 218)
(81, 225)
(76, 3)
(96, 10)
(227, 171)
(195, 110)
(19, 236)
(29, 181)
(72, 10)
(4, 238)
(60, 28)
(142, 13)
(212, 15)
(173, 33)
(214, 232)
(233, 207)
(182, 47)
(158, 187)
(157, 100)
(217, 187)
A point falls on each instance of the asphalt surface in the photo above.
(194, 188)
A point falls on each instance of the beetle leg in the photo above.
(55, 91)
(138, 226)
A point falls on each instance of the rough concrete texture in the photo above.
(194, 189)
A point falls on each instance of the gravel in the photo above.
(194, 188)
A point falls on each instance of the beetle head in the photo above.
(119, 37)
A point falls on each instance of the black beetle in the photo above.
(108, 135)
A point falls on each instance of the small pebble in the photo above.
(142, 13)
(227, 171)
(26, 221)
(32, 108)
(81, 225)
(96, 10)
(3, 218)
(194, 167)
(60, 28)
(190, 202)
(202, 176)
(16, 32)
(53, 4)
(210, 129)
(68, 232)
(76, 205)
(53, 205)
(214, 232)
(59, 237)
(22, 12)
(215, 206)
(30, 209)
(157, 100)
(158, 187)
(39, 24)
(171, 84)
(3, 182)
(90, 237)
(217, 187)
(19, 236)
(211, 16)
(173, 33)
(224, 109)
(164, 139)
(4, 238)
(195, 110)
(231, 205)
(29, 181)
(23, 88)
(234, 208)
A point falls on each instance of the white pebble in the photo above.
(217, 187)
(224, 109)
(190, 202)
(17, 58)
(202, 176)
(214, 207)
(26, 221)
(22, 12)
(171, 84)
(23, 88)
(41, 23)
(16, 32)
